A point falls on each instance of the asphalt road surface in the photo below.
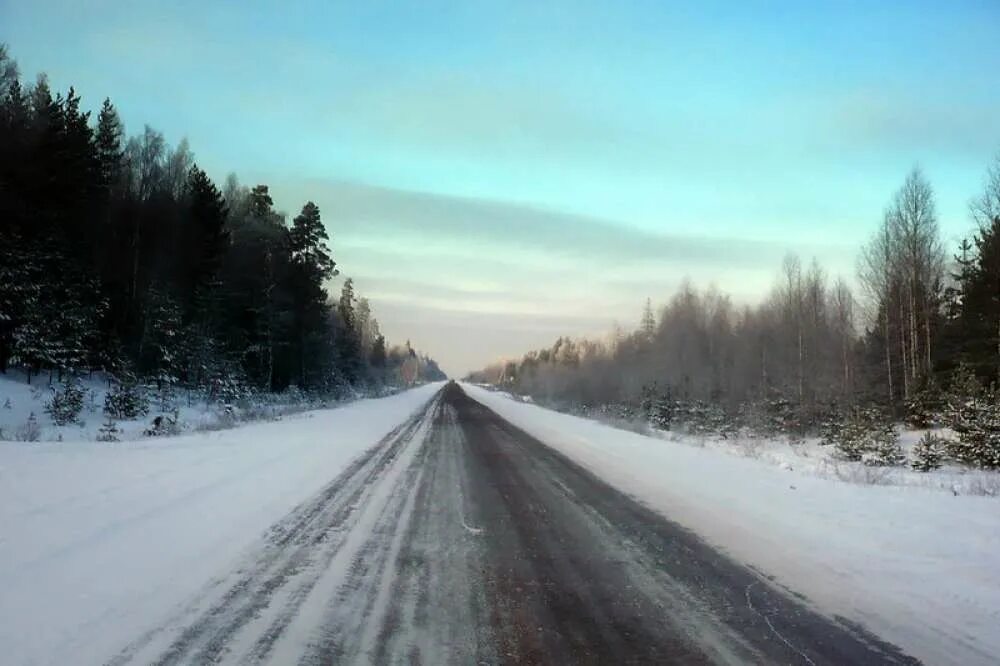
(460, 539)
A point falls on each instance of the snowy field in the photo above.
(100, 540)
(917, 565)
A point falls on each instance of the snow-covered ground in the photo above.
(20, 400)
(97, 540)
(811, 456)
(916, 565)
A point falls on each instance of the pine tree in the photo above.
(348, 345)
(925, 406)
(377, 358)
(162, 346)
(108, 432)
(928, 453)
(869, 437)
(206, 238)
(311, 266)
(108, 142)
(66, 402)
(883, 447)
(127, 400)
(977, 424)
(981, 304)
(647, 326)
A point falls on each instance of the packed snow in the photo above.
(918, 566)
(99, 541)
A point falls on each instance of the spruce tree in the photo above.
(206, 237)
(928, 453)
(108, 143)
(348, 345)
(647, 326)
(981, 304)
(377, 358)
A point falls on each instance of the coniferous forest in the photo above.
(919, 341)
(120, 254)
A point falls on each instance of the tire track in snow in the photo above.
(288, 563)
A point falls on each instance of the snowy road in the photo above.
(461, 539)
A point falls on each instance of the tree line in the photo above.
(120, 254)
(922, 324)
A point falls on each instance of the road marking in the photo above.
(773, 630)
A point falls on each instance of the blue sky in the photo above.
(495, 174)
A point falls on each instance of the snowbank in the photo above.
(20, 400)
(98, 541)
(917, 566)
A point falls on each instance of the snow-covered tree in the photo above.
(977, 423)
(928, 453)
(867, 436)
(127, 400)
(66, 402)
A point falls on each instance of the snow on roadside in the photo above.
(919, 567)
(20, 400)
(98, 540)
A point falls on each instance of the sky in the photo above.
(496, 174)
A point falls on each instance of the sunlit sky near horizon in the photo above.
(497, 174)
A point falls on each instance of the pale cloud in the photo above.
(446, 271)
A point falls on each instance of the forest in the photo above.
(919, 341)
(119, 254)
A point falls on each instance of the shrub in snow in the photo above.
(7, 404)
(227, 416)
(831, 429)
(928, 452)
(866, 475)
(770, 417)
(108, 432)
(293, 395)
(658, 406)
(66, 403)
(230, 390)
(126, 401)
(29, 431)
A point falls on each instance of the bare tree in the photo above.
(176, 168)
(844, 330)
(986, 206)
